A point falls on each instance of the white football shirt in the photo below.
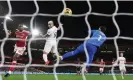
(121, 60)
(52, 32)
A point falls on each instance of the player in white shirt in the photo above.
(50, 45)
(121, 60)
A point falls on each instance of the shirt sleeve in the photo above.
(48, 32)
(125, 59)
(27, 33)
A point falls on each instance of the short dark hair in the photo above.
(103, 28)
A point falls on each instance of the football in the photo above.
(67, 11)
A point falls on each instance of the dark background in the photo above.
(74, 27)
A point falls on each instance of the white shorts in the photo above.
(19, 50)
(122, 67)
(50, 47)
(101, 69)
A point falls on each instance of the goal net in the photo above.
(86, 15)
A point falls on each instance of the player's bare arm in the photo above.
(44, 36)
(125, 61)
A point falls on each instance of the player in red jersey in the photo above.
(19, 49)
(101, 69)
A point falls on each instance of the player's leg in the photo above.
(85, 71)
(122, 75)
(78, 50)
(78, 70)
(121, 70)
(47, 49)
(124, 72)
(101, 71)
(18, 53)
(54, 50)
(91, 52)
(14, 62)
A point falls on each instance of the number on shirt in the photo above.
(55, 34)
(99, 38)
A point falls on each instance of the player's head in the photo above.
(102, 28)
(50, 24)
(20, 27)
(101, 59)
(121, 54)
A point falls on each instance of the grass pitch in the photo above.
(66, 77)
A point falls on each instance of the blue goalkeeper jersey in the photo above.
(97, 38)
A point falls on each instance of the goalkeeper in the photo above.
(97, 39)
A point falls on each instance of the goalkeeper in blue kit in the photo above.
(96, 40)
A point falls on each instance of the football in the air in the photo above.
(67, 11)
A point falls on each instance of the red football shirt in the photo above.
(22, 35)
(102, 63)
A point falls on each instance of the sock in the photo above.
(45, 58)
(12, 67)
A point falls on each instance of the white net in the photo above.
(36, 13)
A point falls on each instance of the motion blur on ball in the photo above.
(67, 11)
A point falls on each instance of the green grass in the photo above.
(66, 77)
